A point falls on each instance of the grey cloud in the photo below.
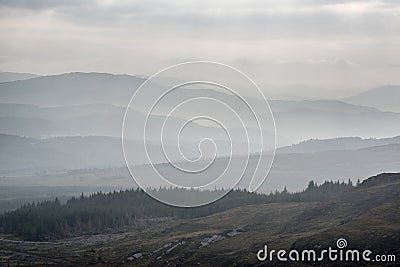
(44, 4)
(263, 19)
(138, 37)
(257, 22)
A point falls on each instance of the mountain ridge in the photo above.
(385, 98)
(7, 76)
(340, 143)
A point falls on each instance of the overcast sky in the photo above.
(299, 48)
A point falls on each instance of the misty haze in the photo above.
(111, 155)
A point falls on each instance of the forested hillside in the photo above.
(130, 208)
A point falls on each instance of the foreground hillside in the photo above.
(367, 216)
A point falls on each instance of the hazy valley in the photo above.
(60, 138)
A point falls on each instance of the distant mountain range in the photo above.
(88, 88)
(293, 170)
(293, 167)
(66, 153)
(15, 76)
(386, 98)
(94, 104)
(341, 143)
(75, 120)
(71, 89)
(294, 125)
(325, 119)
(88, 119)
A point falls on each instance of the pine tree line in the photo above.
(100, 212)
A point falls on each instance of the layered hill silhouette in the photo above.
(386, 98)
(293, 166)
(66, 153)
(15, 76)
(340, 143)
(94, 103)
(71, 89)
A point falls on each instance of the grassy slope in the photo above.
(366, 216)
